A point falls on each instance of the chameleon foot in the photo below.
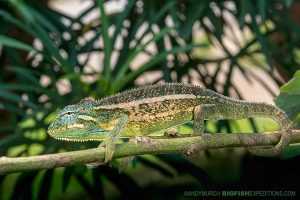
(145, 140)
(96, 164)
(109, 149)
(192, 150)
(93, 165)
(124, 163)
(172, 132)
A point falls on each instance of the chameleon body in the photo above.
(148, 109)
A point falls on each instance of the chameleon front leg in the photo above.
(110, 143)
(198, 123)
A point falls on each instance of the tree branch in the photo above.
(186, 145)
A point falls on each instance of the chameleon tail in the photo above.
(273, 112)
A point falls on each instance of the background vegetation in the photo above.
(45, 59)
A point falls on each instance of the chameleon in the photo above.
(145, 110)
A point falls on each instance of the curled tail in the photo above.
(273, 112)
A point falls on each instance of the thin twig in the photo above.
(146, 145)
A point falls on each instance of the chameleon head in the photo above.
(78, 123)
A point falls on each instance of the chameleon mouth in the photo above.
(76, 133)
(53, 127)
(75, 139)
(84, 138)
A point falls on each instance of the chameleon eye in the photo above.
(69, 113)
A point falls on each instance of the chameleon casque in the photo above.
(145, 110)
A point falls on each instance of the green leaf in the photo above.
(23, 185)
(12, 108)
(132, 75)
(126, 50)
(26, 88)
(262, 9)
(27, 74)
(261, 38)
(9, 96)
(217, 23)
(161, 13)
(39, 32)
(106, 39)
(14, 98)
(13, 140)
(10, 42)
(156, 166)
(193, 12)
(138, 50)
(45, 22)
(242, 10)
(46, 184)
(49, 44)
(23, 10)
(121, 17)
(291, 152)
(9, 18)
(68, 173)
(289, 99)
(293, 86)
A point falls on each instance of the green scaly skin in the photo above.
(148, 109)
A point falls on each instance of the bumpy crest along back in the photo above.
(156, 91)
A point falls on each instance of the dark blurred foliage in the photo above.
(45, 64)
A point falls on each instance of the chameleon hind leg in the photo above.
(110, 143)
(198, 121)
(201, 113)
